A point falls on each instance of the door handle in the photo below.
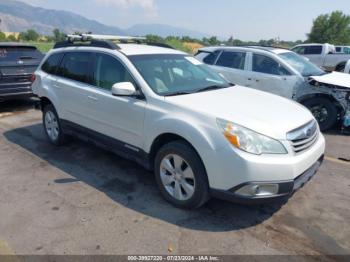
(93, 98)
(250, 79)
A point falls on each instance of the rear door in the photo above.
(267, 74)
(72, 85)
(232, 65)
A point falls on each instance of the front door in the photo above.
(121, 118)
(268, 75)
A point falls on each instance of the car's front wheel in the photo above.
(52, 126)
(181, 176)
(324, 111)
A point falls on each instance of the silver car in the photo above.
(287, 74)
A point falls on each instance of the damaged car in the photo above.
(285, 73)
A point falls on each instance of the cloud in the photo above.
(148, 5)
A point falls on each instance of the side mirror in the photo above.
(123, 89)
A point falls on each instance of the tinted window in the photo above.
(211, 58)
(9, 53)
(108, 71)
(76, 66)
(266, 65)
(51, 64)
(313, 50)
(232, 60)
(338, 49)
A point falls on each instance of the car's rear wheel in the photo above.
(181, 176)
(52, 126)
(324, 111)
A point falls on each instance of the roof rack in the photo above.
(104, 41)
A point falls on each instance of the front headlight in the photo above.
(250, 141)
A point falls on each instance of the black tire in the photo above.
(340, 68)
(201, 188)
(61, 138)
(324, 110)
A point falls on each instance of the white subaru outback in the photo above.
(201, 135)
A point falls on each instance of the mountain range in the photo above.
(16, 16)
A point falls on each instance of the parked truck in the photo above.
(323, 55)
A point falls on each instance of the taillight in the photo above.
(32, 78)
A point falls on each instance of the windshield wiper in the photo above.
(209, 88)
(178, 93)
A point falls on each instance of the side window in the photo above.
(313, 50)
(234, 60)
(52, 64)
(299, 50)
(76, 66)
(108, 71)
(211, 58)
(266, 65)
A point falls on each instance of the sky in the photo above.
(245, 20)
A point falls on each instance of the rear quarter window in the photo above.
(208, 57)
(52, 63)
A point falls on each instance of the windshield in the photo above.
(177, 74)
(299, 63)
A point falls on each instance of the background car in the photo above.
(342, 49)
(18, 62)
(323, 55)
(287, 74)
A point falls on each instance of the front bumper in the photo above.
(285, 188)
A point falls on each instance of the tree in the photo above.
(12, 38)
(2, 36)
(213, 41)
(29, 35)
(154, 39)
(331, 28)
(58, 35)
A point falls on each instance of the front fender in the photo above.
(202, 136)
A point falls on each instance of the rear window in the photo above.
(52, 64)
(10, 53)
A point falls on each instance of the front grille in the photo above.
(302, 138)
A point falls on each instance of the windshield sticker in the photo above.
(193, 60)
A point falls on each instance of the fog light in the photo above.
(258, 190)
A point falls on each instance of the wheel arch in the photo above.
(339, 65)
(305, 98)
(164, 139)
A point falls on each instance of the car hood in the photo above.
(262, 112)
(335, 78)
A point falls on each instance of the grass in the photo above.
(42, 46)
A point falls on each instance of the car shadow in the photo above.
(130, 185)
(17, 105)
